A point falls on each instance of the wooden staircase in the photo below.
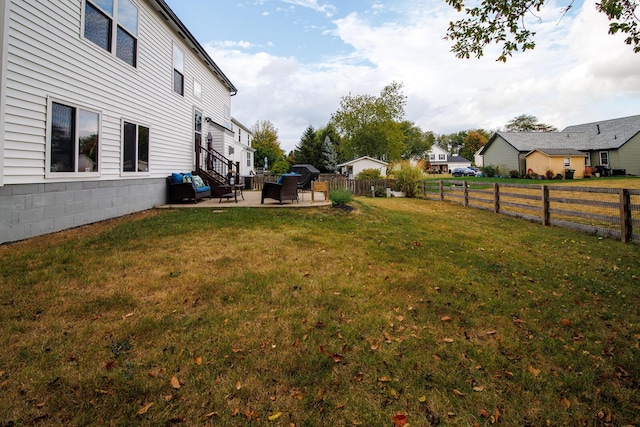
(216, 169)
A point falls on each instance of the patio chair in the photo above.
(285, 189)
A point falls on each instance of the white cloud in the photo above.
(327, 9)
(577, 73)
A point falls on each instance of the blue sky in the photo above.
(292, 60)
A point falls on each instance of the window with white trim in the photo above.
(197, 89)
(178, 70)
(248, 159)
(74, 139)
(135, 147)
(604, 158)
(231, 150)
(99, 27)
(567, 162)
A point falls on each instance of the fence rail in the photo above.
(602, 211)
(607, 212)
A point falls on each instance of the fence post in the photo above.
(465, 188)
(441, 191)
(496, 198)
(626, 229)
(546, 219)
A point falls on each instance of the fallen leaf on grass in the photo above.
(126, 316)
(565, 322)
(197, 360)
(446, 319)
(275, 416)
(565, 402)
(211, 414)
(484, 413)
(534, 371)
(145, 408)
(384, 379)
(457, 392)
(478, 388)
(238, 385)
(399, 420)
(448, 340)
(175, 382)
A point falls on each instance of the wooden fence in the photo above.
(608, 212)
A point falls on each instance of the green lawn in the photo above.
(444, 314)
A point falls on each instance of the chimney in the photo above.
(598, 129)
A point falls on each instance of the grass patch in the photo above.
(320, 317)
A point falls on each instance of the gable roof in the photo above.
(165, 11)
(350, 162)
(608, 133)
(602, 135)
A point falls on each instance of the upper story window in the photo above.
(74, 142)
(197, 89)
(113, 25)
(178, 70)
(432, 156)
(239, 135)
(442, 157)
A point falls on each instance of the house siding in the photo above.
(629, 156)
(45, 57)
(502, 155)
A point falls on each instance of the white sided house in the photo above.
(241, 152)
(100, 101)
(353, 167)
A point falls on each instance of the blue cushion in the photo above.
(176, 178)
(203, 189)
(287, 174)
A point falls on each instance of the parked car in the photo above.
(463, 172)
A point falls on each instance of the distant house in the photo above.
(557, 161)
(443, 162)
(100, 101)
(243, 153)
(613, 144)
(353, 167)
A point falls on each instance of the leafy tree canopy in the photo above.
(416, 142)
(370, 125)
(265, 141)
(503, 23)
(528, 123)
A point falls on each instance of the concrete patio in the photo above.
(252, 200)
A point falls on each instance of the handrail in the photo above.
(215, 164)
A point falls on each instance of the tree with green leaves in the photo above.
(503, 23)
(416, 142)
(528, 123)
(370, 125)
(474, 140)
(453, 142)
(265, 141)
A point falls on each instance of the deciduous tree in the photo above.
(504, 23)
(370, 125)
(265, 141)
(528, 123)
